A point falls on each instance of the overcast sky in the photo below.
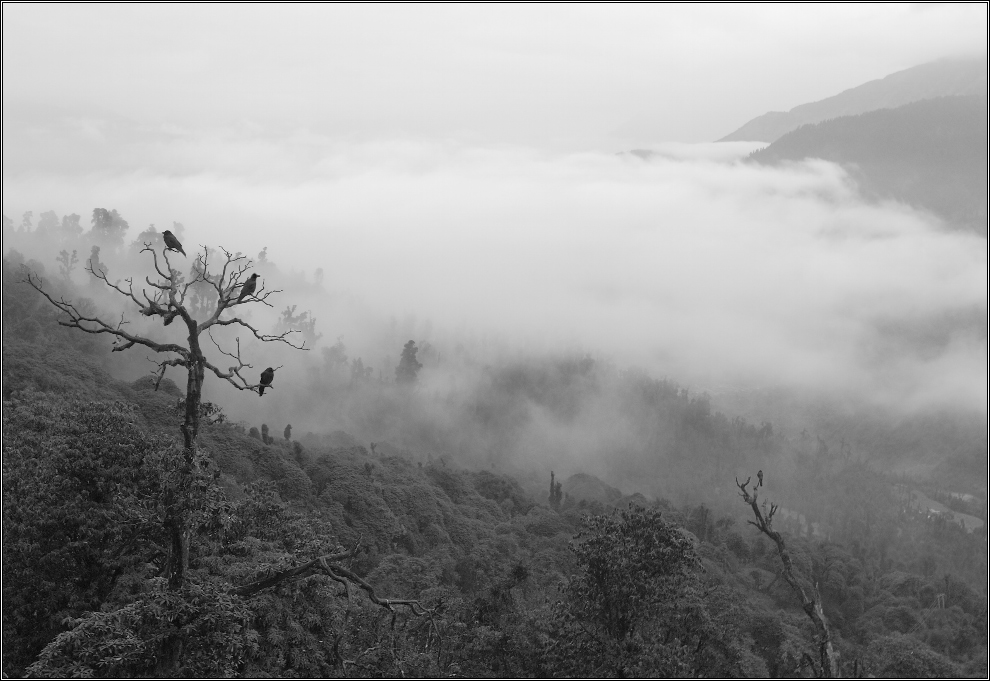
(568, 77)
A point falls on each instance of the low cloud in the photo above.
(689, 263)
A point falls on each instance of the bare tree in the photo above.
(166, 296)
(169, 296)
(811, 604)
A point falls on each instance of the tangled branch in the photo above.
(95, 325)
(162, 366)
(165, 297)
(233, 373)
(338, 573)
(265, 337)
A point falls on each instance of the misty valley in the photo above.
(713, 410)
(452, 510)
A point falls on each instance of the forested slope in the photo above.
(504, 583)
(931, 154)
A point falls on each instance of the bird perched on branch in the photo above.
(266, 380)
(171, 243)
(249, 287)
(759, 476)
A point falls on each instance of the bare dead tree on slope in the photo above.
(166, 295)
(808, 594)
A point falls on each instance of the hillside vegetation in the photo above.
(930, 154)
(448, 565)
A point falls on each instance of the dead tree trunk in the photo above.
(811, 604)
(176, 506)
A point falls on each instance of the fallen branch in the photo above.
(304, 570)
(338, 573)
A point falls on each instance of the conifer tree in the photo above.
(408, 367)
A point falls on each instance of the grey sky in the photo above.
(561, 76)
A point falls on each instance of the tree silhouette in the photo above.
(556, 494)
(94, 265)
(48, 224)
(304, 322)
(70, 227)
(168, 300)
(67, 263)
(149, 236)
(408, 367)
(109, 227)
(359, 372)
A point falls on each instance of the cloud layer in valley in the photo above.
(690, 263)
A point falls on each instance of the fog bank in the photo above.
(689, 264)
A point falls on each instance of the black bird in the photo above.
(266, 380)
(759, 474)
(249, 287)
(171, 243)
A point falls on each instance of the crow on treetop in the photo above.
(266, 380)
(171, 243)
(249, 287)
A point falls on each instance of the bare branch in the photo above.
(236, 356)
(154, 255)
(300, 571)
(414, 605)
(201, 270)
(162, 366)
(259, 296)
(228, 283)
(150, 306)
(95, 325)
(267, 338)
(234, 372)
(231, 374)
(102, 276)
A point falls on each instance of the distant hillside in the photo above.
(935, 79)
(931, 154)
(584, 487)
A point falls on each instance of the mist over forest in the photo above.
(516, 428)
(672, 264)
(624, 288)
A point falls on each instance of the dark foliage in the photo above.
(932, 154)
(659, 589)
(409, 366)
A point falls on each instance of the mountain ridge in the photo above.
(948, 77)
(931, 154)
